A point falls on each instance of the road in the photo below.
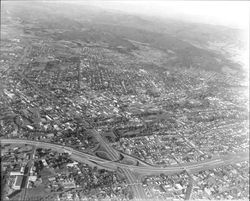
(114, 156)
(27, 50)
(190, 187)
(28, 167)
(129, 170)
(191, 167)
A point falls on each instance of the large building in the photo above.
(18, 182)
(17, 171)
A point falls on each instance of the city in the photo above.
(93, 111)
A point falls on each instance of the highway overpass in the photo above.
(191, 167)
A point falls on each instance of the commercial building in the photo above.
(18, 182)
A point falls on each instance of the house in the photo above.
(44, 162)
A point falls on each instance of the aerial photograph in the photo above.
(122, 100)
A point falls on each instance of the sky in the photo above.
(228, 13)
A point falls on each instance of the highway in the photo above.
(191, 167)
(26, 175)
(129, 170)
(114, 156)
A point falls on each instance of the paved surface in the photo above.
(189, 188)
(129, 170)
(191, 167)
(27, 50)
(26, 175)
(114, 156)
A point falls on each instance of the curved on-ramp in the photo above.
(206, 164)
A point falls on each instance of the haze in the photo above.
(227, 13)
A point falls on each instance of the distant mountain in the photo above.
(194, 45)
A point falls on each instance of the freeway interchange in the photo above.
(114, 156)
(191, 167)
(136, 166)
(130, 171)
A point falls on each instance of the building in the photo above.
(44, 162)
(18, 182)
(19, 170)
(69, 184)
(15, 173)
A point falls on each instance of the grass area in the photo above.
(36, 193)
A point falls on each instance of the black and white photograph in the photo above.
(124, 100)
